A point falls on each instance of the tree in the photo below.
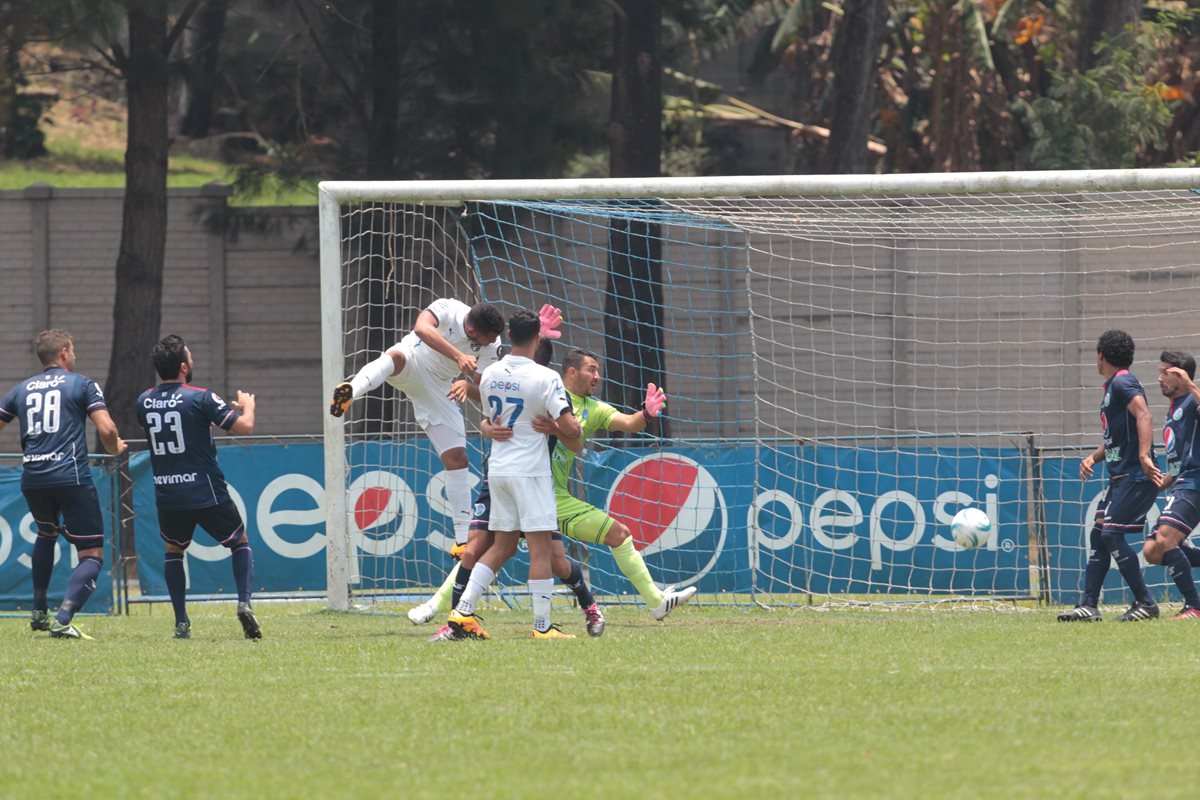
(1103, 19)
(633, 305)
(855, 58)
(137, 307)
(202, 70)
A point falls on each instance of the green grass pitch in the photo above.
(714, 703)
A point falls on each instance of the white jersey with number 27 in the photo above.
(514, 391)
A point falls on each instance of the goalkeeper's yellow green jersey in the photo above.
(593, 415)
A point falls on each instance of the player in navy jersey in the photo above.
(53, 407)
(1133, 482)
(189, 487)
(1176, 373)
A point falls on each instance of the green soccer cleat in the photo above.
(40, 621)
(250, 625)
(68, 631)
(183, 630)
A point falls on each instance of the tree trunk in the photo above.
(385, 90)
(633, 303)
(201, 75)
(1104, 18)
(860, 35)
(137, 309)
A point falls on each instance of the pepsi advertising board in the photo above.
(728, 518)
(17, 535)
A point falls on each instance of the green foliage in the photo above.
(714, 703)
(1106, 117)
(26, 140)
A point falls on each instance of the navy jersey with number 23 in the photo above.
(178, 419)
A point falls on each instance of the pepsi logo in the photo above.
(1103, 422)
(1169, 439)
(382, 512)
(676, 513)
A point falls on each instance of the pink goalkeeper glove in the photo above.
(551, 318)
(655, 400)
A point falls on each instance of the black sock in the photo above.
(176, 585)
(243, 570)
(79, 588)
(460, 584)
(42, 566)
(579, 586)
(1181, 572)
(1131, 569)
(1096, 570)
(1192, 554)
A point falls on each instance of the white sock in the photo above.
(481, 578)
(372, 375)
(458, 494)
(541, 591)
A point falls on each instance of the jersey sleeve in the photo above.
(93, 398)
(1125, 388)
(555, 397)
(8, 406)
(603, 413)
(219, 412)
(450, 313)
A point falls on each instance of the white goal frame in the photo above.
(332, 194)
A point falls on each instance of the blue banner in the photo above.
(17, 535)
(727, 518)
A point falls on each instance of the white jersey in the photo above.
(451, 314)
(514, 391)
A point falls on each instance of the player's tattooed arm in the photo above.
(427, 331)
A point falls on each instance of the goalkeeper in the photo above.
(585, 522)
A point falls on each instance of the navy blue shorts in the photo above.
(1182, 511)
(1127, 505)
(77, 506)
(482, 513)
(223, 523)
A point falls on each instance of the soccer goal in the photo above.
(848, 360)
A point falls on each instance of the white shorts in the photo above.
(427, 393)
(522, 503)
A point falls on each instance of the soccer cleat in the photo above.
(467, 626)
(183, 630)
(447, 634)
(553, 632)
(419, 615)
(672, 599)
(40, 620)
(1080, 613)
(68, 631)
(595, 621)
(458, 550)
(1188, 613)
(1139, 611)
(250, 626)
(343, 395)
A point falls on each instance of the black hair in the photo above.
(168, 356)
(544, 353)
(486, 318)
(1178, 358)
(574, 359)
(523, 328)
(1117, 348)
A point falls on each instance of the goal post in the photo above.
(848, 360)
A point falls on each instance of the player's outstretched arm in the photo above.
(107, 429)
(427, 331)
(652, 406)
(244, 425)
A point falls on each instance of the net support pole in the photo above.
(337, 545)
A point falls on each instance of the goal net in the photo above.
(848, 362)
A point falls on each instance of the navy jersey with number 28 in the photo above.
(1120, 427)
(53, 407)
(178, 420)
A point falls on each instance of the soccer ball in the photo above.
(970, 527)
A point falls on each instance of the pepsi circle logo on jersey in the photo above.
(1169, 439)
(676, 513)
